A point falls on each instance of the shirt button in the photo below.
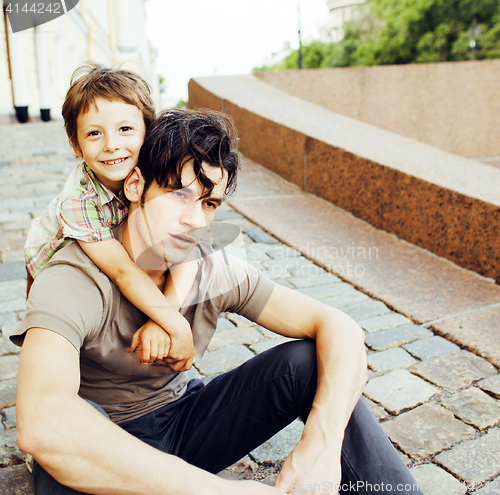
(83, 181)
(95, 236)
(121, 206)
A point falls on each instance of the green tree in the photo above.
(409, 31)
(162, 83)
(427, 30)
(313, 57)
(490, 40)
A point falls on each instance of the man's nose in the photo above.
(193, 215)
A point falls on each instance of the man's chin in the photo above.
(157, 257)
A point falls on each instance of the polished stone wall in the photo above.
(454, 106)
(442, 202)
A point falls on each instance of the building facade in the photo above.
(340, 12)
(36, 64)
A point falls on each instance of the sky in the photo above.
(223, 37)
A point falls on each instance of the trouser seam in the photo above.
(346, 461)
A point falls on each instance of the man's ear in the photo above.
(134, 186)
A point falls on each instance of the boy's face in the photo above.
(110, 136)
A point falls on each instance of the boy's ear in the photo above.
(134, 186)
(77, 150)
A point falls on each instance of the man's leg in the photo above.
(239, 410)
(370, 463)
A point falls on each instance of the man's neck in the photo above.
(146, 260)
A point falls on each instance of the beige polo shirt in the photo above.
(73, 298)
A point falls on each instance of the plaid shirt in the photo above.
(85, 210)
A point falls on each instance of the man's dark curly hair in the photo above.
(178, 136)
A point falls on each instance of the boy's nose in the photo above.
(111, 145)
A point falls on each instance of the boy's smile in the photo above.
(110, 136)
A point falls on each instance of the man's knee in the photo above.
(299, 356)
(297, 360)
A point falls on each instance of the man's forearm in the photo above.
(341, 361)
(340, 351)
(89, 453)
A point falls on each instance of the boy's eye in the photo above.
(179, 194)
(93, 133)
(125, 128)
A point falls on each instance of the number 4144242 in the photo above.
(36, 8)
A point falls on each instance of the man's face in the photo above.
(171, 222)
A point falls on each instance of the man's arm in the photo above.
(341, 378)
(81, 448)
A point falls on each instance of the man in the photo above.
(98, 421)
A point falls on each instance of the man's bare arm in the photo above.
(341, 378)
(84, 450)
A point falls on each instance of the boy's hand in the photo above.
(153, 340)
(174, 345)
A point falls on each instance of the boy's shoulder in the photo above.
(72, 257)
(77, 183)
(82, 184)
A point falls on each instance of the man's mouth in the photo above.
(182, 241)
(114, 162)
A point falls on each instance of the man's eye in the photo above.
(211, 206)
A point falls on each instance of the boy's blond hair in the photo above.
(91, 81)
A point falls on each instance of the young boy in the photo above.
(106, 114)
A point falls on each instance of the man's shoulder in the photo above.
(70, 296)
(234, 284)
(70, 259)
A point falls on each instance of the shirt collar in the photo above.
(100, 190)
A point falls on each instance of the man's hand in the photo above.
(309, 468)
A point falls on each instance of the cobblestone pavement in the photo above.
(438, 403)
